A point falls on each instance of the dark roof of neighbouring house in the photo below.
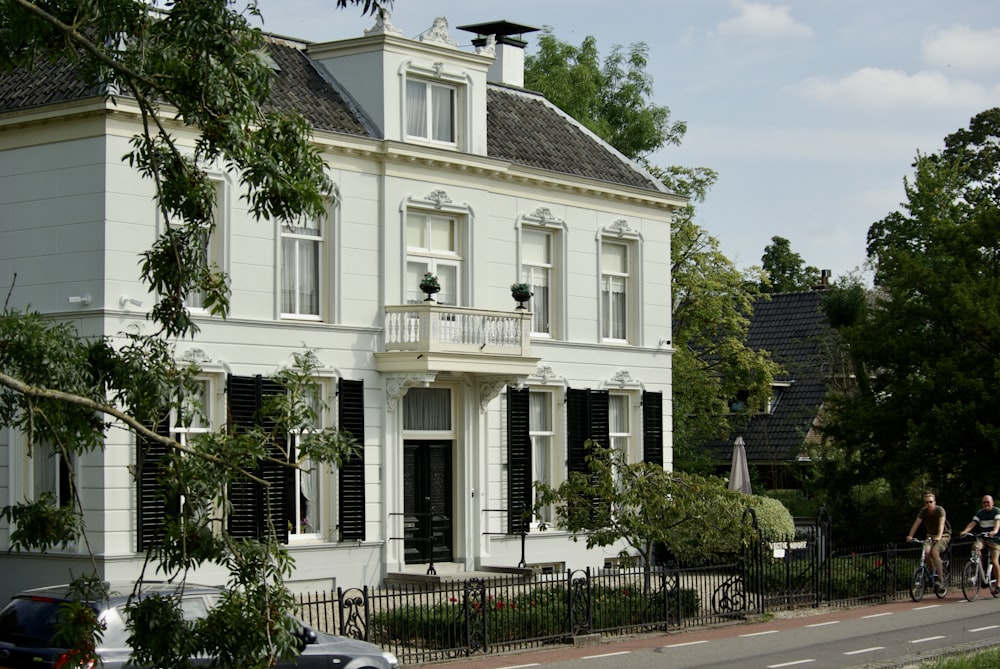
(522, 127)
(793, 329)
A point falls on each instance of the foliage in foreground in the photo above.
(693, 517)
(198, 69)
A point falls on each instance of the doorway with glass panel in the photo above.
(428, 478)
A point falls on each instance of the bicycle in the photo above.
(924, 575)
(974, 578)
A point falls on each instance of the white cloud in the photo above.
(963, 47)
(874, 87)
(756, 19)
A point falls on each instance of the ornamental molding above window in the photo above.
(438, 200)
(622, 379)
(620, 228)
(545, 376)
(543, 216)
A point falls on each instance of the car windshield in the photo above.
(29, 621)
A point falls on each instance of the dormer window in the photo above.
(430, 111)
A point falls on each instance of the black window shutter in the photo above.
(251, 507)
(153, 508)
(577, 429)
(587, 418)
(652, 428)
(279, 505)
(351, 419)
(518, 461)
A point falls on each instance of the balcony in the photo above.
(430, 338)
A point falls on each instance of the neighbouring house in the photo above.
(793, 329)
(443, 163)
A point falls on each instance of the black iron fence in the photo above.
(423, 623)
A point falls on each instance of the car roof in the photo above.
(120, 591)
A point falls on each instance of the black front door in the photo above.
(427, 501)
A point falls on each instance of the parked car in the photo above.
(28, 621)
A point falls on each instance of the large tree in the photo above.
(199, 65)
(712, 299)
(785, 269)
(927, 340)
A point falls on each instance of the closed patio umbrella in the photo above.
(739, 477)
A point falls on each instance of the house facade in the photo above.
(442, 163)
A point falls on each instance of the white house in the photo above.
(443, 163)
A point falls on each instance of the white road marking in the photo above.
(597, 657)
(523, 666)
(831, 622)
(877, 615)
(924, 608)
(788, 664)
(983, 629)
(864, 650)
(689, 643)
(760, 633)
(929, 638)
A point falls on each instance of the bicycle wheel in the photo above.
(970, 581)
(917, 583)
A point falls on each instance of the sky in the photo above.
(811, 111)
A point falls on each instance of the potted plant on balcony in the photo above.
(521, 292)
(429, 285)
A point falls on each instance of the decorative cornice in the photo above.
(397, 385)
(490, 387)
(545, 374)
(195, 356)
(383, 26)
(439, 197)
(620, 227)
(438, 33)
(622, 378)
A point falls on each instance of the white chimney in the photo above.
(503, 39)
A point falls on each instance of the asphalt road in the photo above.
(889, 635)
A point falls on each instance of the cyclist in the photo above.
(987, 519)
(935, 522)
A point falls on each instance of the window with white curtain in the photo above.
(432, 245)
(615, 287)
(427, 410)
(51, 473)
(301, 247)
(430, 111)
(541, 430)
(536, 271)
(620, 423)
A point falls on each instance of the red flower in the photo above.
(878, 563)
(453, 600)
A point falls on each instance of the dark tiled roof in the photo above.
(43, 84)
(522, 127)
(526, 129)
(793, 328)
(300, 87)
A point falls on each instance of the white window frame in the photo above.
(426, 258)
(429, 124)
(541, 220)
(543, 443)
(620, 233)
(296, 235)
(216, 252)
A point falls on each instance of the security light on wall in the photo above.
(126, 300)
(79, 299)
